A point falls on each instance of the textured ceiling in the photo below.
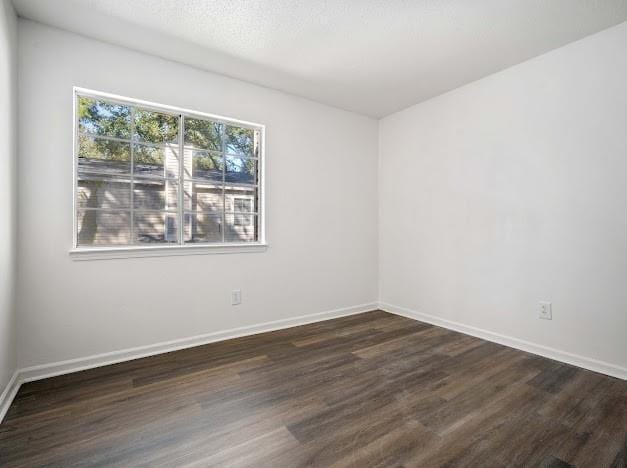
(373, 57)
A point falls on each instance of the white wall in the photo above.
(492, 197)
(8, 96)
(321, 210)
(512, 190)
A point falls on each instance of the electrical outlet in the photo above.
(545, 311)
(236, 297)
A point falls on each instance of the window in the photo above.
(150, 175)
(242, 206)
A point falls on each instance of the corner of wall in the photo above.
(378, 211)
(8, 204)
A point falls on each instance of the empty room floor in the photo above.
(371, 389)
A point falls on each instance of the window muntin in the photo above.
(151, 176)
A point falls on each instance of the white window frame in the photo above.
(107, 252)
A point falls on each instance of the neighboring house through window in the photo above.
(154, 175)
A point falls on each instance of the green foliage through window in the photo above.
(203, 134)
(240, 141)
(104, 118)
(155, 127)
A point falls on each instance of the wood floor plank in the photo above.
(372, 389)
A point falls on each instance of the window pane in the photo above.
(153, 194)
(156, 127)
(152, 160)
(104, 156)
(242, 141)
(240, 227)
(240, 170)
(104, 118)
(203, 227)
(95, 191)
(155, 227)
(203, 165)
(100, 228)
(203, 197)
(203, 134)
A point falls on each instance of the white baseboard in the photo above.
(43, 371)
(7, 396)
(606, 368)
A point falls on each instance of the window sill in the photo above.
(106, 253)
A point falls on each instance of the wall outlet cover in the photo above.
(545, 311)
(236, 297)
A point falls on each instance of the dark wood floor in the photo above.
(368, 390)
